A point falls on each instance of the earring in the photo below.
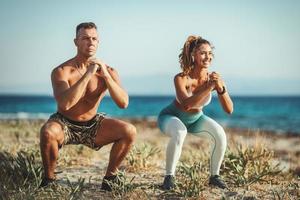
(193, 59)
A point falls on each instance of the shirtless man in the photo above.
(79, 85)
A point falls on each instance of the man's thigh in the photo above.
(110, 130)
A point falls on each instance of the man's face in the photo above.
(87, 41)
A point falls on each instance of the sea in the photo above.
(279, 114)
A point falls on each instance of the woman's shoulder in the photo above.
(181, 76)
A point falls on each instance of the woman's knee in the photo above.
(175, 125)
(179, 137)
(176, 129)
(220, 137)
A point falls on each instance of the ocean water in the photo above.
(275, 113)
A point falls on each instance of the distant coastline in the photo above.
(279, 114)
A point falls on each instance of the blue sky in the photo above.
(256, 42)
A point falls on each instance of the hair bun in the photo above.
(192, 38)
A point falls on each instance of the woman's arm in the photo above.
(225, 101)
(223, 94)
(197, 99)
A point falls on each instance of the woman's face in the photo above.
(203, 56)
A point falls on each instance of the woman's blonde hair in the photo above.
(185, 57)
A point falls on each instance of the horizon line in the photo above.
(157, 95)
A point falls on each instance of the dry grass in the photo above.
(247, 165)
(140, 157)
(21, 176)
(252, 168)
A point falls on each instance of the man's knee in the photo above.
(130, 132)
(50, 132)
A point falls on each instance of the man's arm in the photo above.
(113, 83)
(117, 93)
(65, 95)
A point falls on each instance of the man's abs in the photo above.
(82, 111)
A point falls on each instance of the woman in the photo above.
(194, 86)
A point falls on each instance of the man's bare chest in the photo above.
(93, 90)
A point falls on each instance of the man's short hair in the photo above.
(85, 25)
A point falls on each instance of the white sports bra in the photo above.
(206, 101)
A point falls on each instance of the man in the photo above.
(79, 85)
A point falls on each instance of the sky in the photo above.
(256, 42)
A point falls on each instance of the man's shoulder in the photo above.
(64, 68)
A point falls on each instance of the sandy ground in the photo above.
(79, 161)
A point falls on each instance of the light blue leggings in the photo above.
(176, 124)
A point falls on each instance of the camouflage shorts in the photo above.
(79, 132)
